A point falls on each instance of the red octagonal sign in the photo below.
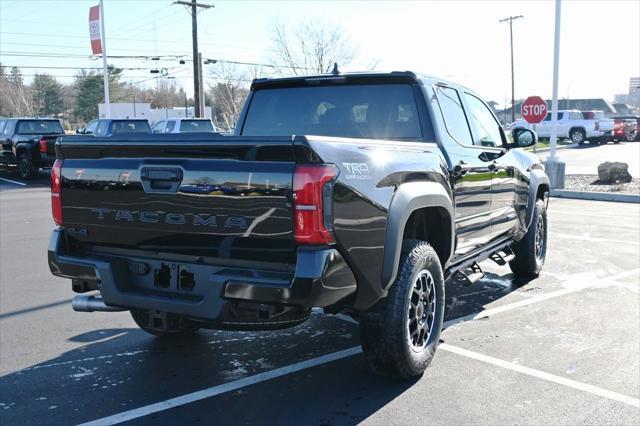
(534, 109)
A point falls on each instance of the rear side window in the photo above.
(130, 127)
(453, 115)
(380, 111)
(196, 126)
(548, 117)
(39, 127)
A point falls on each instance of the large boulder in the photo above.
(613, 172)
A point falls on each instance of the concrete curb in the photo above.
(538, 150)
(596, 196)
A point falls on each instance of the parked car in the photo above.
(409, 181)
(184, 125)
(571, 125)
(626, 128)
(112, 126)
(601, 123)
(28, 143)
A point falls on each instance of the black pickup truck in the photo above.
(406, 182)
(29, 143)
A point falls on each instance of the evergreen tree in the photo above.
(47, 95)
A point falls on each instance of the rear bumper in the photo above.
(321, 278)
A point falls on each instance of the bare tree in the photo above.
(229, 93)
(312, 47)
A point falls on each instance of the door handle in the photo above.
(160, 179)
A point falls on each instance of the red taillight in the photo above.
(311, 190)
(597, 125)
(56, 199)
(43, 146)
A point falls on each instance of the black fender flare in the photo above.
(538, 177)
(408, 198)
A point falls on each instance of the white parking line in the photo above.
(13, 181)
(552, 295)
(283, 371)
(223, 388)
(615, 396)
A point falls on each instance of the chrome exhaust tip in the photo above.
(92, 303)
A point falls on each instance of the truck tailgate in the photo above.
(226, 197)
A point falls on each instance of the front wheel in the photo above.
(531, 250)
(163, 324)
(401, 333)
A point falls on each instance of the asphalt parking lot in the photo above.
(561, 349)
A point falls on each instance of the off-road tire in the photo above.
(528, 259)
(26, 169)
(384, 330)
(176, 325)
(578, 136)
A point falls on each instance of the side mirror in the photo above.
(79, 131)
(523, 138)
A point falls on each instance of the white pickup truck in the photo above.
(573, 125)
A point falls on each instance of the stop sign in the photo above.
(534, 109)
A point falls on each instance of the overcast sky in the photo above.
(461, 41)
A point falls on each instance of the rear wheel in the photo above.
(577, 136)
(26, 169)
(401, 333)
(163, 324)
(531, 250)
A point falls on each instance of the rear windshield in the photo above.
(130, 127)
(381, 111)
(39, 127)
(196, 126)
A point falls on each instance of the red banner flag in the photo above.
(94, 30)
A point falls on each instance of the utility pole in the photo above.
(510, 19)
(197, 89)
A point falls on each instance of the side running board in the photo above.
(502, 257)
(470, 275)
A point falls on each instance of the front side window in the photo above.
(453, 114)
(486, 130)
(91, 127)
(377, 111)
(102, 127)
(171, 125)
(158, 127)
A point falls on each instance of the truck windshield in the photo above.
(381, 111)
(39, 127)
(196, 126)
(135, 126)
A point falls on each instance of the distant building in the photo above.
(634, 92)
(144, 110)
(624, 109)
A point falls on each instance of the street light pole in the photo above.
(510, 19)
(555, 168)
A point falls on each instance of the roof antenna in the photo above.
(335, 70)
